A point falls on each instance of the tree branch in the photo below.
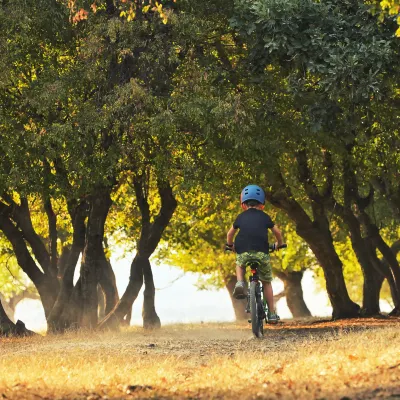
(21, 252)
(305, 176)
(138, 185)
(22, 217)
(52, 220)
(328, 167)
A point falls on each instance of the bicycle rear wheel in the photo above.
(256, 322)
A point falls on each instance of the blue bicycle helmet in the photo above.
(252, 192)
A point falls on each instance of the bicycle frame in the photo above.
(259, 290)
(254, 277)
(256, 302)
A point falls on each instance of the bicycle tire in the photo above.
(256, 324)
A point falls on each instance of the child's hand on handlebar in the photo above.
(276, 246)
(229, 247)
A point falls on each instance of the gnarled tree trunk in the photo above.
(370, 265)
(94, 263)
(46, 284)
(317, 234)
(150, 317)
(320, 241)
(150, 236)
(374, 270)
(65, 311)
(124, 306)
(294, 292)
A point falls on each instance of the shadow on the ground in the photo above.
(312, 326)
(283, 391)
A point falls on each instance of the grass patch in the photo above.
(296, 360)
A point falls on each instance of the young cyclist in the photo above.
(251, 244)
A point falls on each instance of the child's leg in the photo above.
(239, 273)
(269, 295)
(240, 287)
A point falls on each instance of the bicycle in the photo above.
(256, 304)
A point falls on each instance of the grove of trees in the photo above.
(134, 124)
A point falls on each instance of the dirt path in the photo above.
(312, 359)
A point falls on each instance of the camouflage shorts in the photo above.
(264, 271)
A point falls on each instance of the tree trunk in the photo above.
(101, 309)
(149, 314)
(294, 293)
(366, 252)
(239, 305)
(108, 283)
(7, 327)
(318, 236)
(126, 321)
(8, 309)
(57, 320)
(150, 236)
(93, 258)
(373, 281)
(369, 263)
(396, 249)
(71, 315)
(124, 306)
(47, 286)
(388, 255)
(321, 243)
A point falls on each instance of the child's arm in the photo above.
(230, 236)
(278, 235)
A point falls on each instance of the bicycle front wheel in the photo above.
(256, 322)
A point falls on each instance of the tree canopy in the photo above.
(137, 123)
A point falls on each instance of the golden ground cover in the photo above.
(358, 359)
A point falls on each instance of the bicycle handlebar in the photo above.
(272, 247)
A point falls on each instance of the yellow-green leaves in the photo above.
(391, 8)
(130, 9)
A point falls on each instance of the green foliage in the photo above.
(94, 94)
(12, 279)
(386, 9)
(336, 45)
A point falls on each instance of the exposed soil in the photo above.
(310, 359)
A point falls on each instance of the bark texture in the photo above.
(317, 234)
(65, 310)
(94, 263)
(294, 292)
(150, 236)
(150, 318)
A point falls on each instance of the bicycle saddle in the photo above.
(252, 263)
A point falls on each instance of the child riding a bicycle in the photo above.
(251, 244)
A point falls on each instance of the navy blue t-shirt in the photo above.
(253, 225)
